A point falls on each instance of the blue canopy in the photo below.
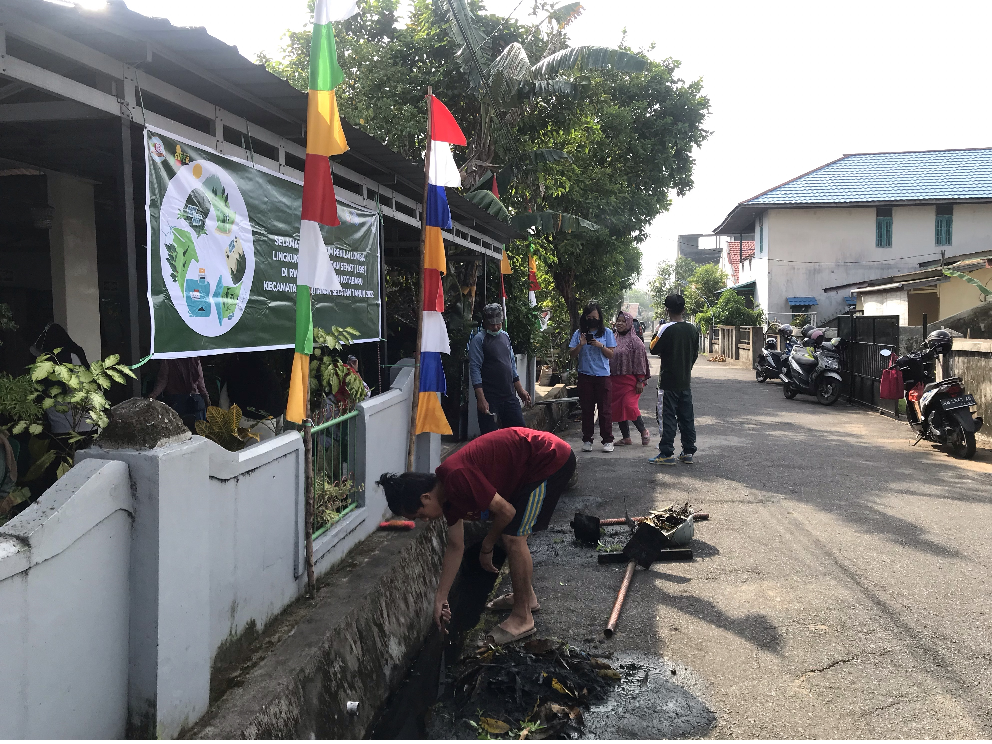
(801, 301)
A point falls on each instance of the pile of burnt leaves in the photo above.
(536, 691)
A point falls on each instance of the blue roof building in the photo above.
(859, 218)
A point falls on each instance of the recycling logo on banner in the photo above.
(207, 255)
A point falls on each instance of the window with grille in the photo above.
(883, 227)
(942, 224)
(761, 234)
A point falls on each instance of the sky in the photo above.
(791, 85)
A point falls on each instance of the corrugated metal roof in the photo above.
(191, 59)
(890, 177)
(801, 301)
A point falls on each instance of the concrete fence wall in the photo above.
(132, 581)
(737, 343)
(64, 609)
(971, 360)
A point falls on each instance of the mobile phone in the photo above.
(589, 338)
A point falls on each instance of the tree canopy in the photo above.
(588, 143)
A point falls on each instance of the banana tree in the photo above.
(508, 80)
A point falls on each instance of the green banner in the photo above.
(223, 244)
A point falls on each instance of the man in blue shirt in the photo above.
(492, 368)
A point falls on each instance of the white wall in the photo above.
(820, 241)
(810, 249)
(64, 597)
(894, 302)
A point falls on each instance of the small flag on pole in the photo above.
(434, 338)
(325, 137)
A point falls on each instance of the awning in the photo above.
(801, 301)
(742, 288)
(851, 301)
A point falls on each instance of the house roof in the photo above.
(928, 176)
(928, 275)
(192, 60)
(801, 301)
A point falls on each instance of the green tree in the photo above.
(731, 310)
(703, 290)
(671, 277)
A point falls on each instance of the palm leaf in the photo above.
(488, 201)
(546, 223)
(473, 55)
(530, 89)
(527, 161)
(970, 279)
(566, 14)
(582, 58)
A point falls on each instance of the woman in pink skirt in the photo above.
(628, 373)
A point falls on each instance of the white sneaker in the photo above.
(587, 446)
(608, 447)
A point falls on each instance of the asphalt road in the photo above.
(840, 589)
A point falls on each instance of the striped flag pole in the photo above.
(325, 137)
(420, 289)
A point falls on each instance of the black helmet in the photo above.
(771, 344)
(940, 340)
(807, 329)
(786, 330)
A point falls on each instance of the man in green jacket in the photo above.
(677, 343)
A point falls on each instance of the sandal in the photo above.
(499, 637)
(505, 604)
(625, 440)
(646, 438)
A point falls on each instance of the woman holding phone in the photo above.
(593, 344)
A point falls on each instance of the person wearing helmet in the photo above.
(493, 373)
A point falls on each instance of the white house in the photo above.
(858, 218)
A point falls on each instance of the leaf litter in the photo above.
(535, 691)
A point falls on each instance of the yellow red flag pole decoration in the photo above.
(325, 137)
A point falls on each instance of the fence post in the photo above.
(737, 343)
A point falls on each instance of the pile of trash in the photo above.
(674, 522)
(535, 691)
(718, 358)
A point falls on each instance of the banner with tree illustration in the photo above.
(223, 246)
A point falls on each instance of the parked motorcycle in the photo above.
(939, 412)
(814, 369)
(771, 361)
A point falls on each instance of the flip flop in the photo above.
(505, 603)
(501, 637)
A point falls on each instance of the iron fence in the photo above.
(338, 486)
(866, 336)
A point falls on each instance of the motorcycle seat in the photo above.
(805, 361)
(946, 380)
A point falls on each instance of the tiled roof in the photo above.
(801, 301)
(737, 254)
(890, 177)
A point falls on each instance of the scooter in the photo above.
(814, 370)
(771, 361)
(939, 412)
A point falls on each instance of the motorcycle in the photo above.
(940, 412)
(814, 370)
(771, 361)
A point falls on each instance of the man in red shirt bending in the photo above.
(510, 477)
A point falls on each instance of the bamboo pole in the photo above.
(420, 289)
(310, 505)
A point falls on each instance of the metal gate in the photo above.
(867, 335)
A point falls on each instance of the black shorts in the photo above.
(537, 501)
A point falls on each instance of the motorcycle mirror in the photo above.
(886, 352)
